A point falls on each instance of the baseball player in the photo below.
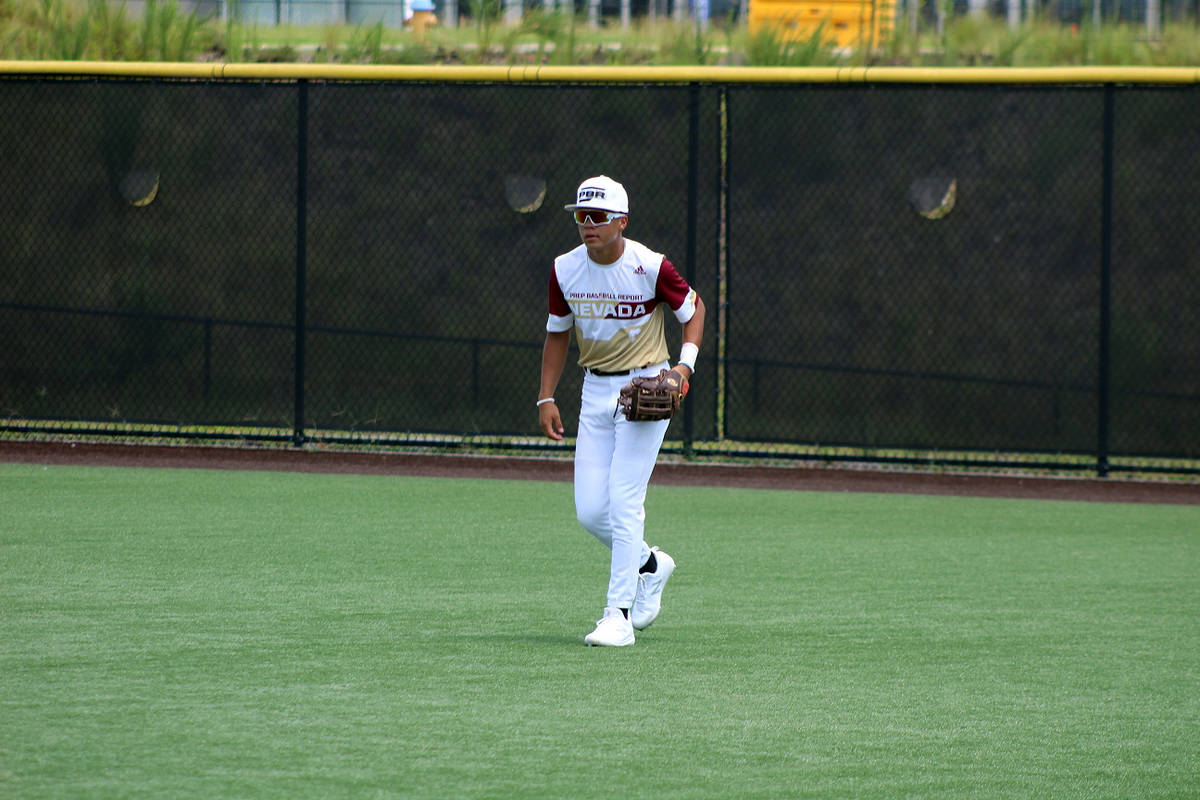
(616, 294)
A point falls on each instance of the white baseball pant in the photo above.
(613, 462)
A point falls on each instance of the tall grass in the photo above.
(104, 30)
(554, 34)
(766, 47)
(486, 16)
(366, 44)
(113, 31)
(687, 44)
(167, 34)
(74, 29)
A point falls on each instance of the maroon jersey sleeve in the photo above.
(671, 286)
(558, 303)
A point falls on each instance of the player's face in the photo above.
(599, 237)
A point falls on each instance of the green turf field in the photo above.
(180, 633)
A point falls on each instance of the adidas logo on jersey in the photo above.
(640, 270)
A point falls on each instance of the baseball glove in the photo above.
(655, 397)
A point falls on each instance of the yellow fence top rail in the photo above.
(545, 74)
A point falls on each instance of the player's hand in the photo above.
(551, 421)
(683, 370)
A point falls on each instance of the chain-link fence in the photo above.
(967, 273)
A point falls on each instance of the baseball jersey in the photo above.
(618, 309)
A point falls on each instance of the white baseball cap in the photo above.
(603, 193)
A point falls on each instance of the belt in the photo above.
(599, 373)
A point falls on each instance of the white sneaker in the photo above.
(648, 601)
(612, 630)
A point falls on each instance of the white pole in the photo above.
(1153, 17)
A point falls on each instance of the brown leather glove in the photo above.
(645, 399)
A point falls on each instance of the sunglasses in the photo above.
(584, 216)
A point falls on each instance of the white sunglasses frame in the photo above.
(589, 215)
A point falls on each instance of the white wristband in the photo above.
(687, 355)
(545, 400)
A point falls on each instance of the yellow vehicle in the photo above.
(847, 23)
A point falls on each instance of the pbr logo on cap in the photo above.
(602, 193)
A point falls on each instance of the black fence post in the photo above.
(298, 436)
(719, 307)
(692, 214)
(1106, 234)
